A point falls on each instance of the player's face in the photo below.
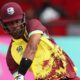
(16, 28)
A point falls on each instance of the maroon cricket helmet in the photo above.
(11, 11)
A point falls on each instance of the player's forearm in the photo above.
(31, 48)
(29, 54)
(26, 61)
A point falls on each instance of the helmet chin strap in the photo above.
(24, 19)
(24, 22)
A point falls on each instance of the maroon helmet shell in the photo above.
(11, 11)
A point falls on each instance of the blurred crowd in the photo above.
(61, 17)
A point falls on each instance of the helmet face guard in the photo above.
(16, 33)
(10, 12)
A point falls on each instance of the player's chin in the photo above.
(18, 35)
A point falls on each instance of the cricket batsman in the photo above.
(31, 48)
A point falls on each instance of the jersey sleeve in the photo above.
(35, 27)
